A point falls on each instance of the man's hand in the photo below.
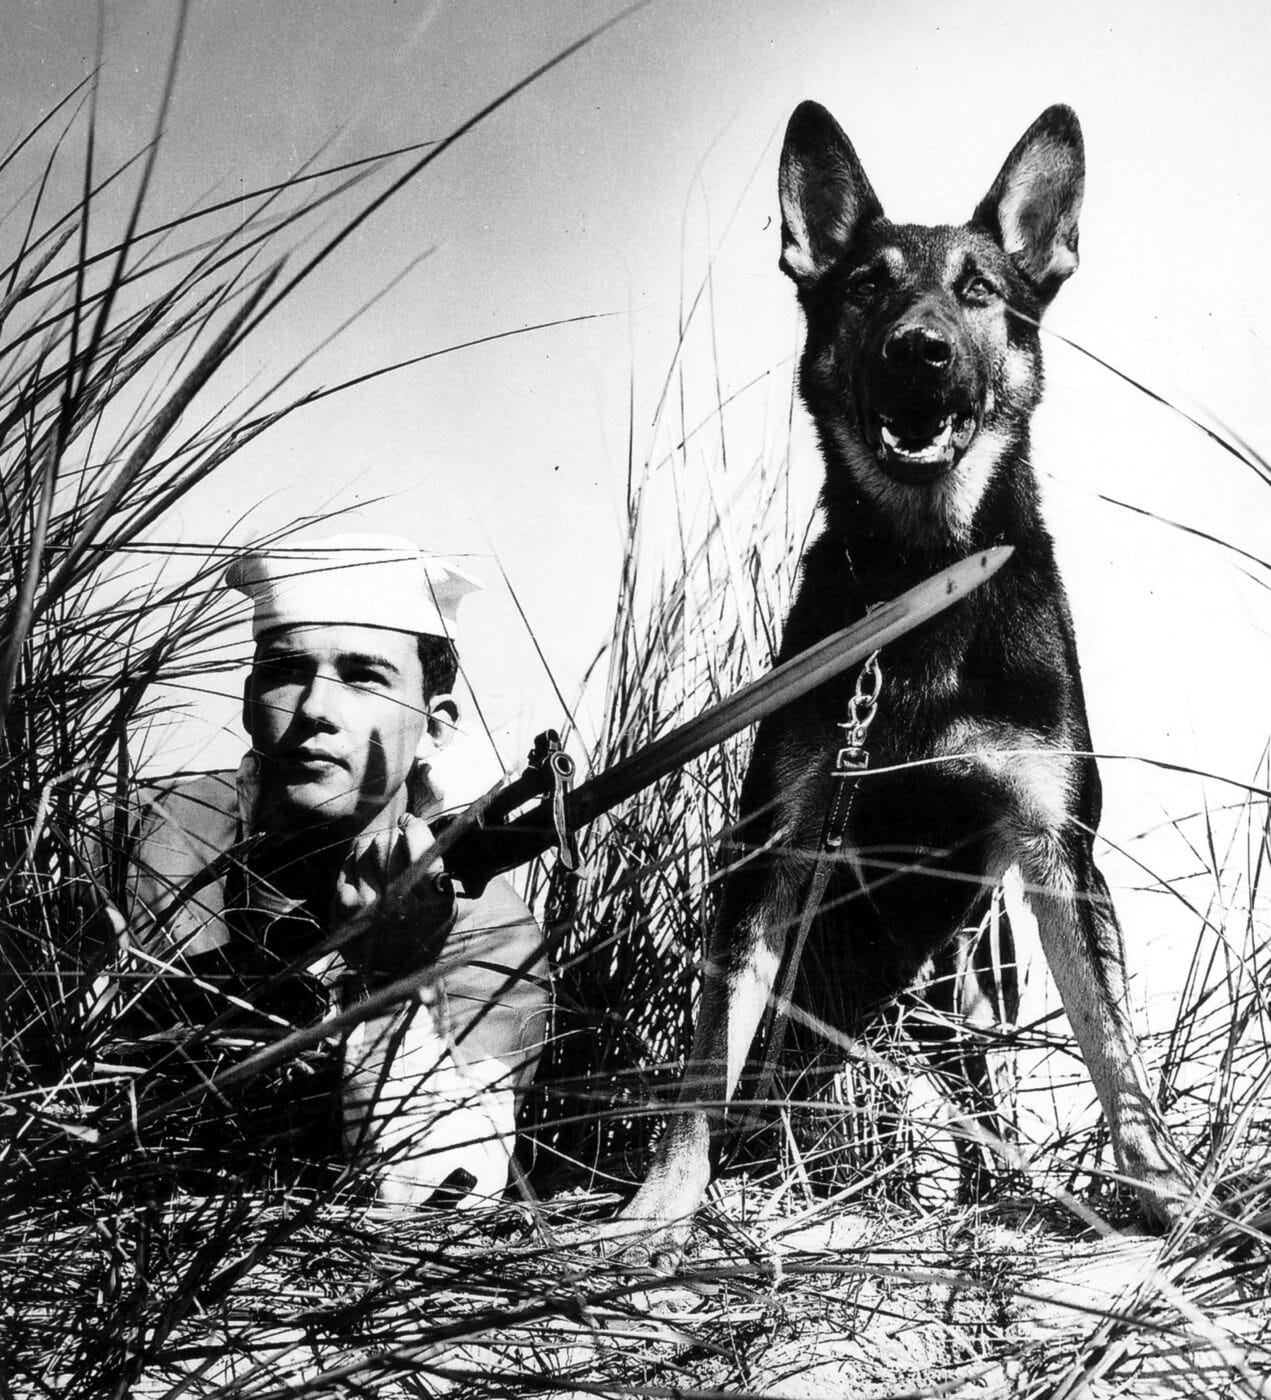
(408, 929)
(420, 1120)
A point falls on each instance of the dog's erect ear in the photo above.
(825, 196)
(1033, 206)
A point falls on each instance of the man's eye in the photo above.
(366, 678)
(277, 671)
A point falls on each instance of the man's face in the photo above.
(337, 713)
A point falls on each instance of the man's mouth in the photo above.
(310, 758)
(919, 448)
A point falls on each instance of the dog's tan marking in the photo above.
(893, 259)
(1071, 924)
(958, 259)
(732, 1005)
(957, 496)
(803, 257)
(1036, 227)
(1020, 377)
(1034, 776)
(931, 513)
(751, 988)
(1033, 781)
(796, 247)
(1081, 942)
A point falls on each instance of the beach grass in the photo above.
(154, 1241)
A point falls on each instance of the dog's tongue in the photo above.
(919, 428)
(922, 440)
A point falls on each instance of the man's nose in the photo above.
(322, 702)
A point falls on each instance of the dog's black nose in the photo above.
(916, 345)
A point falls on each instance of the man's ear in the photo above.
(249, 707)
(443, 720)
(1033, 205)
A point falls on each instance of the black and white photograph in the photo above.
(633, 699)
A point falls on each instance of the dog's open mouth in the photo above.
(920, 448)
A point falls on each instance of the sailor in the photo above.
(242, 881)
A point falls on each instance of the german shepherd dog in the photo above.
(921, 369)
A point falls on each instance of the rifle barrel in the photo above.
(507, 846)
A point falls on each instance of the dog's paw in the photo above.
(653, 1228)
(647, 1244)
(1165, 1197)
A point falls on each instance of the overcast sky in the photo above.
(647, 158)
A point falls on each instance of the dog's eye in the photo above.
(864, 288)
(977, 290)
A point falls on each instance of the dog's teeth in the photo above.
(931, 451)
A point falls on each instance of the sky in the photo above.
(614, 186)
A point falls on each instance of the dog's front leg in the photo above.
(1084, 948)
(758, 905)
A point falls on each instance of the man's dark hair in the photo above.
(440, 662)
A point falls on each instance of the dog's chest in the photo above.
(938, 783)
(947, 745)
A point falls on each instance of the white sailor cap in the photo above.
(365, 580)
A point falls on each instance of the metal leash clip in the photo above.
(862, 710)
(853, 757)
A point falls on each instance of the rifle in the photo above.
(493, 834)
(487, 839)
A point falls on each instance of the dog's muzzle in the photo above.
(919, 450)
(919, 415)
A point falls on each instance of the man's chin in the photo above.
(310, 804)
